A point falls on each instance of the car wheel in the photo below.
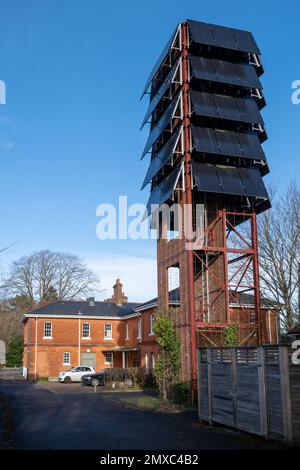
(67, 380)
(95, 382)
(129, 382)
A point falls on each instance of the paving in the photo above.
(72, 417)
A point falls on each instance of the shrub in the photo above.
(14, 356)
(149, 380)
(182, 393)
(167, 366)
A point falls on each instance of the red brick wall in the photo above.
(47, 360)
(49, 355)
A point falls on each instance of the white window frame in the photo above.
(83, 331)
(47, 336)
(153, 359)
(111, 363)
(67, 363)
(151, 319)
(108, 338)
(126, 332)
(139, 329)
(147, 361)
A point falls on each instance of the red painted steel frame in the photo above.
(249, 256)
(188, 194)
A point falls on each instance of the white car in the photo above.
(75, 374)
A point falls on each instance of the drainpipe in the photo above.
(28, 347)
(79, 327)
(35, 349)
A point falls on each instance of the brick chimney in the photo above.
(118, 297)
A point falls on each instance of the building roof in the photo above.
(243, 299)
(97, 309)
(88, 308)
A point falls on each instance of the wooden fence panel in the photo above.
(252, 389)
(222, 396)
(274, 396)
(203, 395)
(294, 372)
(248, 406)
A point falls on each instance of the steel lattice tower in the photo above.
(205, 149)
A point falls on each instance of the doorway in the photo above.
(88, 360)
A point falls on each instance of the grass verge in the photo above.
(151, 403)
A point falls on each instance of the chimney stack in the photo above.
(119, 298)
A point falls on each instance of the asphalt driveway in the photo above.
(58, 416)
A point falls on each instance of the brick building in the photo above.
(110, 333)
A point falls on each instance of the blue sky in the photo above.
(69, 133)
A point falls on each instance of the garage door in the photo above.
(88, 359)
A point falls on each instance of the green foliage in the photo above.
(149, 381)
(182, 393)
(231, 334)
(50, 295)
(167, 366)
(14, 355)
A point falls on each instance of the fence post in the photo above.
(234, 385)
(209, 386)
(262, 386)
(285, 393)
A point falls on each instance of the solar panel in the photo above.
(160, 159)
(159, 62)
(224, 72)
(160, 93)
(251, 146)
(205, 140)
(229, 180)
(253, 182)
(247, 76)
(225, 107)
(228, 143)
(201, 32)
(206, 177)
(163, 191)
(203, 103)
(203, 68)
(224, 37)
(161, 125)
(219, 36)
(245, 41)
(249, 111)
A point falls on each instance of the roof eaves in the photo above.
(57, 315)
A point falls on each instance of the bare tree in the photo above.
(279, 253)
(47, 275)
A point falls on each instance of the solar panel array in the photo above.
(227, 129)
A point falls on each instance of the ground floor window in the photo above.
(67, 358)
(147, 361)
(109, 357)
(153, 360)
